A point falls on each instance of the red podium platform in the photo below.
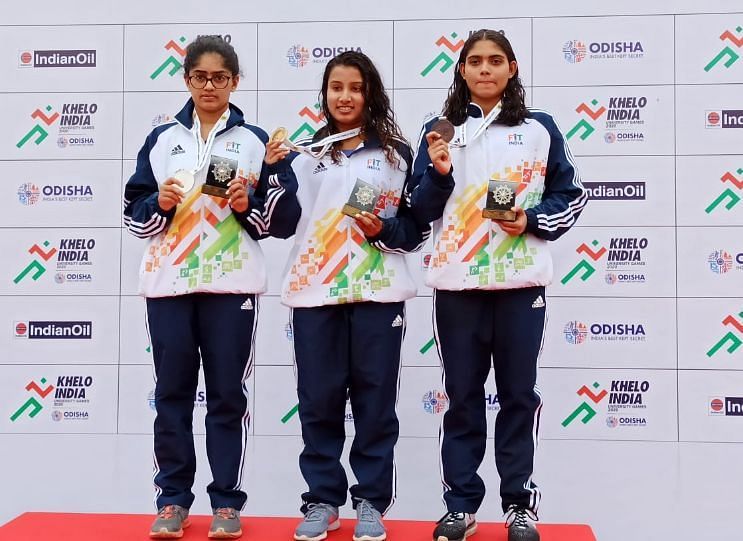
(93, 527)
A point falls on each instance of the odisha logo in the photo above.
(612, 421)
(28, 193)
(59, 278)
(62, 142)
(574, 51)
(575, 332)
(609, 137)
(611, 278)
(435, 402)
(57, 415)
(298, 56)
(720, 261)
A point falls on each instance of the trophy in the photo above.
(221, 172)
(363, 198)
(501, 197)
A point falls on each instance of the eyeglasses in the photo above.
(218, 81)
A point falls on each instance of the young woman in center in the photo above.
(346, 282)
(503, 187)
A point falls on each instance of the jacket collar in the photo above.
(474, 110)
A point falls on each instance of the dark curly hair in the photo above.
(211, 44)
(513, 102)
(378, 116)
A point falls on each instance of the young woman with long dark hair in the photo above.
(498, 181)
(346, 282)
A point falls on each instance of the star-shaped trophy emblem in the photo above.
(502, 195)
(222, 171)
(364, 195)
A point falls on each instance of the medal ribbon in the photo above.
(204, 148)
(323, 144)
(487, 121)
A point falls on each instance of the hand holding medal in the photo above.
(438, 138)
(275, 152)
(170, 193)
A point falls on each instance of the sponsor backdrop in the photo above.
(645, 325)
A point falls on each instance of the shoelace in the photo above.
(518, 516)
(226, 513)
(314, 512)
(451, 518)
(366, 512)
(169, 511)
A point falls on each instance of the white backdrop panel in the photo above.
(627, 191)
(709, 190)
(609, 404)
(63, 193)
(612, 121)
(710, 333)
(61, 261)
(616, 262)
(61, 126)
(96, 345)
(62, 58)
(709, 49)
(712, 261)
(71, 399)
(710, 405)
(610, 333)
(586, 51)
(709, 119)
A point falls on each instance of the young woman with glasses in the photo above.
(201, 274)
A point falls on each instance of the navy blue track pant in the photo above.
(348, 350)
(477, 329)
(222, 328)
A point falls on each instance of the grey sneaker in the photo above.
(369, 525)
(520, 524)
(319, 519)
(170, 521)
(225, 524)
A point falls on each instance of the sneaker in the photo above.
(520, 524)
(455, 527)
(225, 524)
(369, 525)
(319, 519)
(170, 521)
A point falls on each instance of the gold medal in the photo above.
(279, 134)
